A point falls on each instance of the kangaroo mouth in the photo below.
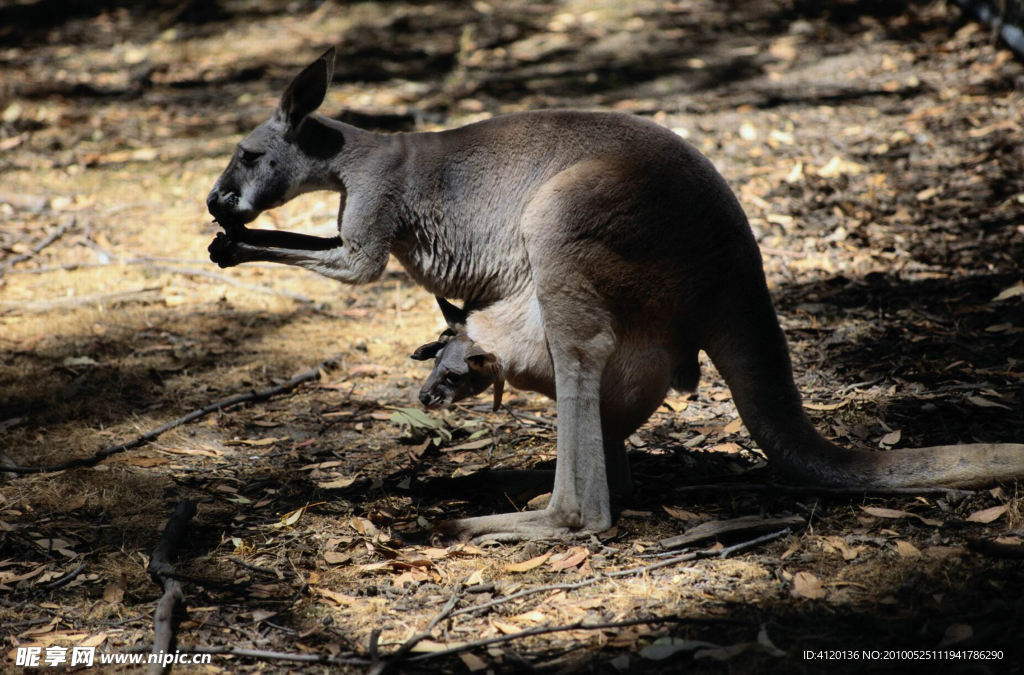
(233, 227)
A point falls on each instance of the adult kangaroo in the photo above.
(617, 245)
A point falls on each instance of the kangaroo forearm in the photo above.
(280, 239)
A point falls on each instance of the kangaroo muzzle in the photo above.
(225, 208)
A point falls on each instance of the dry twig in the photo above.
(159, 568)
(262, 655)
(46, 241)
(684, 557)
(311, 374)
(64, 580)
(826, 491)
(381, 667)
(579, 625)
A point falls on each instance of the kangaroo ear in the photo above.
(307, 91)
(428, 351)
(480, 359)
(455, 317)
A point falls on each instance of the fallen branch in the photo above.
(995, 548)
(381, 667)
(826, 491)
(684, 557)
(579, 625)
(159, 567)
(719, 528)
(47, 240)
(95, 459)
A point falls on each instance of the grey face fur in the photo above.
(283, 157)
(608, 253)
(462, 368)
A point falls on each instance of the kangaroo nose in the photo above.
(211, 201)
(424, 398)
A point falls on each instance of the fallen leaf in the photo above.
(729, 448)
(837, 166)
(680, 514)
(578, 555)
(113, 593)
(824, 406)
(664, 647)
(93, 640)
(907, 550)
(806, 585)
(473, 662)
(985, 403)
(723, 653)
(209, 452)
(879, 512)
(733, 427)
(72, 361)
(505, 627)
(430, 646)
(258, 443)
(1017, 290)
(891, 438)
(337, 483)
(476, 578)
(988, 515)
(337, 598)
(262, 615)
(336, 557)
(530, 564)
(958, 632)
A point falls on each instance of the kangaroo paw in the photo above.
(527, 526)
(223, 251)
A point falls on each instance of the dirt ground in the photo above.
(876, 148)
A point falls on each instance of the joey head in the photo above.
(462, 368)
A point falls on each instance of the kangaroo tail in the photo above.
(746, 344)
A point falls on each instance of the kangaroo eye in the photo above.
(452, 378)
(248, 157)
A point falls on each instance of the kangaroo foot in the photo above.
(551, 523)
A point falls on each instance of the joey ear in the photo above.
(480, 359)
(428, 351)
(453, 316)
(307, 91)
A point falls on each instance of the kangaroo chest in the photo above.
(514, 330)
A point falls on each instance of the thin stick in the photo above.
(579, 625)
(695, 555)
(825, 491)
(257, 288)
(382, 667)
(159, 567)
(261, 655)
(261, 570)
(47, 240)
(41, 306)
(64, 580)
(263, 395)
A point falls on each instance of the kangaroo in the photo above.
(602, 239)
